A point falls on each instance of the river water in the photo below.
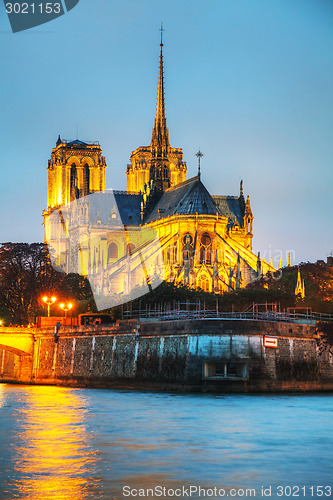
(75, 444)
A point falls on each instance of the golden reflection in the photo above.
(54, 458)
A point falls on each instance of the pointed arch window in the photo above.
(206, 249)
(249, 225)
(73, 182)
(175, 252)
(172, 253)
(204, 283)
(166, 172)
(86, 180)
(112, 252)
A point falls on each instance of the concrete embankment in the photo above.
(188, 355)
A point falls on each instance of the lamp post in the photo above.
(66, 308)
(49, 303)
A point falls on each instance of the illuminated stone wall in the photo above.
(197, 355)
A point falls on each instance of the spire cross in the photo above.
(161, 30)
(199, 155)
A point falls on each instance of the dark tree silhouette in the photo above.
(25, 274)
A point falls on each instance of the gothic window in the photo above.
(168, 255)
(112, 252)
(187, 247)
(204, 283)
(86, 179)
(175, 252)
(206, 249)
(166, 173)
(249, 225)
(172, 254)
(73, 182)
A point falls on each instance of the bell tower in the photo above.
(75, 169)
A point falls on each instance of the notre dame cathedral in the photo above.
(205, 240)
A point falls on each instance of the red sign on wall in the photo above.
(270, 342)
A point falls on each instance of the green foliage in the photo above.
(318, 279)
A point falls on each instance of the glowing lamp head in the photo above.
(69, 306)
(44, 299)
(53, 299)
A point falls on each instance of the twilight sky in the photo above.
(249, 81)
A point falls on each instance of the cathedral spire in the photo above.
(159, 165)
(160, 137)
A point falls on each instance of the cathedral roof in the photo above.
(188, 198)
(229, 206)
(129, 206)
(102, 204)
(77, 142)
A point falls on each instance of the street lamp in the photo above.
(49, 303)
(66, 308)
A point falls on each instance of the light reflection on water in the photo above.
(77, 444)
(49, 448)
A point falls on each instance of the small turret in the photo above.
(300, 286)
(248, 217)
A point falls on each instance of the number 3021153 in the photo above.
(33, 8)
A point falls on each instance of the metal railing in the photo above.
(161, 314)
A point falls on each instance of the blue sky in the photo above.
(249, 81)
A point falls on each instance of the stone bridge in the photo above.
(20, 341)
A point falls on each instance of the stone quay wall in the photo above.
(189, 355)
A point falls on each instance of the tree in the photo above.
(25, 274)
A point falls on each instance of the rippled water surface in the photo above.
(62, 443)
